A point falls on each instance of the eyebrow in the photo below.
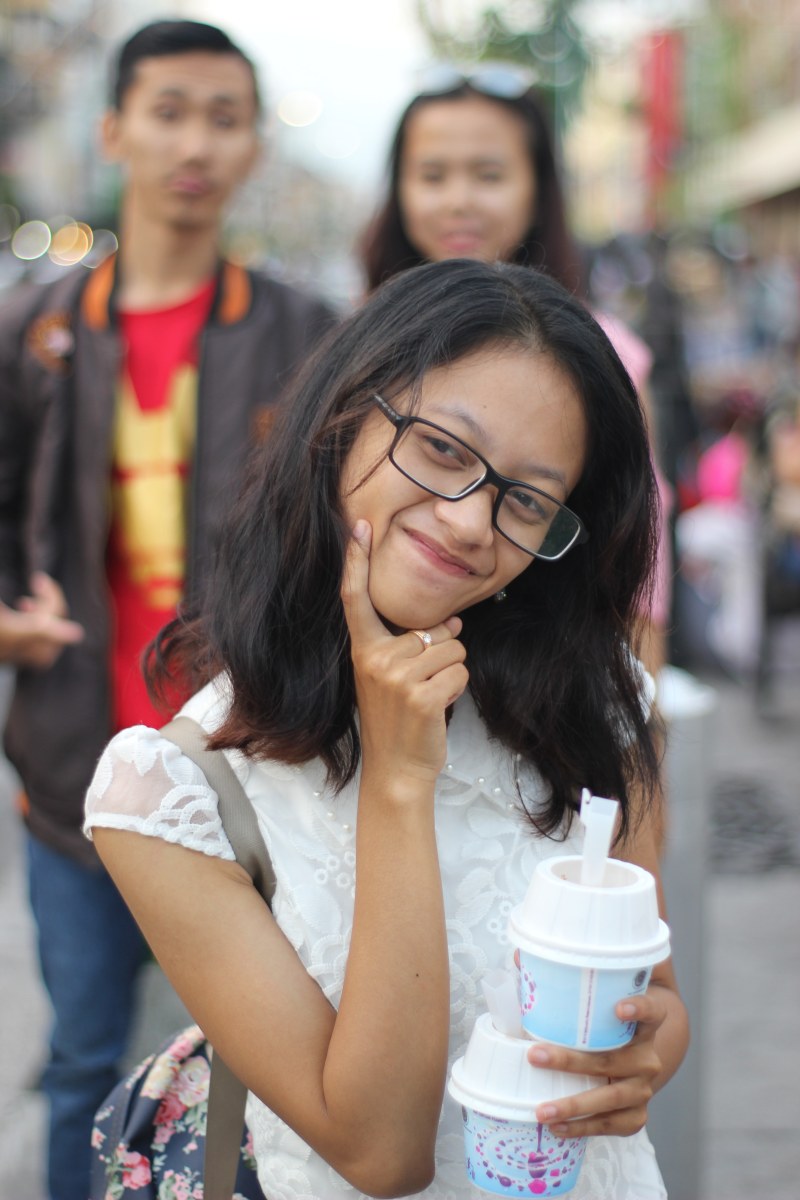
(482, 160)
(182, 94)
(537, 469)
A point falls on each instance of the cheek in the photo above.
(510, 563)
(419, 199)
(515, 211)
(240, 158)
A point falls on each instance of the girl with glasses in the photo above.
(473, 174)
(414, 653)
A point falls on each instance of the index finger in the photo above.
(647, 1010)
(362, 619)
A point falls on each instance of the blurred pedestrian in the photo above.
(414, 654)
(473, 174)
(128, 398)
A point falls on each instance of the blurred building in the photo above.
(623, 150)
(744, 97)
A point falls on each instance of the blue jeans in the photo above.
(90, 951)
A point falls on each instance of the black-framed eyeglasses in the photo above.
(439, 462)
(503, 81)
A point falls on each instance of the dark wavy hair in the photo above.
(384, 247)
(551, 669)
(164, 38)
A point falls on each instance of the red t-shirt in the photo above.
(151, 467)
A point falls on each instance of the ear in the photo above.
(111, 135)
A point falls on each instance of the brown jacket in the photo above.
(60, 356)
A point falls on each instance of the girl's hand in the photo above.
(402, 687)
(618, 1105)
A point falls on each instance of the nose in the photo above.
(469, 520)
(458, 193)
(195, 140)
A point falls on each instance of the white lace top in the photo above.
(487, 853)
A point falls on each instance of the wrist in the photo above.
(397, 788)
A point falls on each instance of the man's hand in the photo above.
(35, 632)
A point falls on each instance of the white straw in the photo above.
(502, 1000)
(598, 817)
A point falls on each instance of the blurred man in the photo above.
(128, 397)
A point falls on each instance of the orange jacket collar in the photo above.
(234, 295)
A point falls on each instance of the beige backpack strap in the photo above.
(226, 1095)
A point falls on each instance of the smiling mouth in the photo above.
(189, 186)
(461, 239)
(440, 557)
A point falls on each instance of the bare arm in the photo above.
(362, 1086)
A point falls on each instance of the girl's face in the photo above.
(467, 187)
(431, 558)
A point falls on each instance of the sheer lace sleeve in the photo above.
(145, 784)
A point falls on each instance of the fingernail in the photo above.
(547, 1112)
(539, 1055)
(627, 1011)
(360, 530)
(559, 1130)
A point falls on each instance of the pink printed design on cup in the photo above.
(508, 1152)
(527, 991)
(519, 1158)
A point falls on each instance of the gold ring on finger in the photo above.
(424, 637)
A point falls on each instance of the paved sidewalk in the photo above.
(749, 1044)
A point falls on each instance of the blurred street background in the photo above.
(678, 128)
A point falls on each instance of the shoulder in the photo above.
(633, 352)
(28, 303)
(145, 784)
(210, 705)
(287, 301)
(24, 300)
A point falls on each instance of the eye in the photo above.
(530, 507)
(431, 176)
(442, 450)
(167, 112)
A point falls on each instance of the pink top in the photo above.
(638, 361)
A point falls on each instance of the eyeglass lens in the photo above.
(440, 463)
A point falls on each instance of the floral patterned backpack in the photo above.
(174, 1129)
(149, 1137)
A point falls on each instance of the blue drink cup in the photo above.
(508, 1152)
(583, 948)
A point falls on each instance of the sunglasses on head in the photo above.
(504, 81)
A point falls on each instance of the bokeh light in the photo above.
(299, 108)
(70, 244)
(104, 242)
(31, 240)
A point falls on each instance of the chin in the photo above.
(399, 619)
(193, 222)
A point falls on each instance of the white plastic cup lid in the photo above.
(614, 923)
(495, 1077)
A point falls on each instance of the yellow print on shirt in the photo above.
(152, 457)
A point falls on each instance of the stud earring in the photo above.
(500, 596)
